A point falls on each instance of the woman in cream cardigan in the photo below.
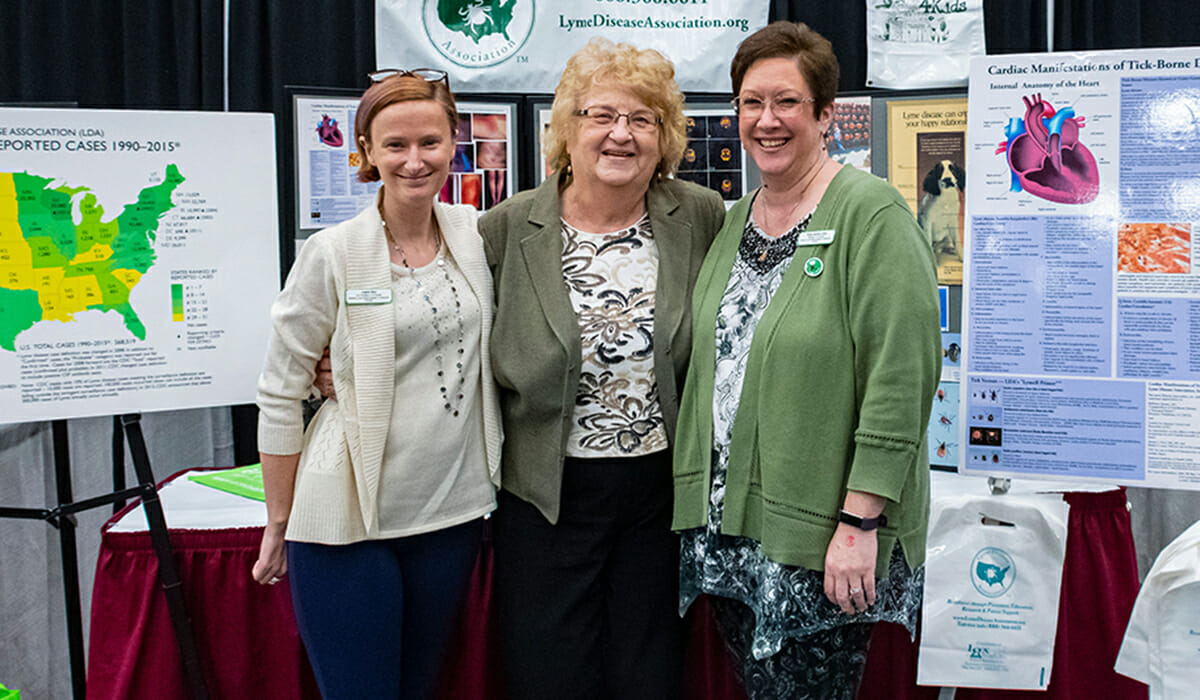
(374, 514)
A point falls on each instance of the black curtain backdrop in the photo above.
(155, 54)
(113, 54)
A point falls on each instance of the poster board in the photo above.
(925, 145)
(138, 260)
(1083, 299)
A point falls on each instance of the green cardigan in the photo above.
(839, 382)
(536, 352)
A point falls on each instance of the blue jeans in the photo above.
(376, 616)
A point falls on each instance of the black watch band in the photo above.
(864, 524)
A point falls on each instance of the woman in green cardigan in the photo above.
(801, 488)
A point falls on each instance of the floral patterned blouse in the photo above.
(788, 601)
(611, 279)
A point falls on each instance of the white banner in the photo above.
(922, 43)
(523, 45)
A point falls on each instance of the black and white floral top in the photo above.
(788, 601)
(611, 279)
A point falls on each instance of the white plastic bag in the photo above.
(993, 572)
(922, 43)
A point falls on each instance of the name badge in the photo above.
(815, 237)
(366, 297)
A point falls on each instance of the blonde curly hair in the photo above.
(645, 73)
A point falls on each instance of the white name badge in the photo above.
(363, 297)
(815, 237)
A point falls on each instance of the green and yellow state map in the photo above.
(52, 267)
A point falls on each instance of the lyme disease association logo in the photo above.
(993, 572)
(478, 33)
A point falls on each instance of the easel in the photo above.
(125, 427)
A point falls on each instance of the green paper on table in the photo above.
(244, 481)
(6, 694)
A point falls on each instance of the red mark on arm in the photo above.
(849, 540)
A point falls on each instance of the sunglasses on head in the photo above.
(429, 75)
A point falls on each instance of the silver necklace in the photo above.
(452, 400)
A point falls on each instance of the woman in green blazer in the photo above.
(593, 275)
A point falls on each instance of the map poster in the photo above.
(139, 256)
(1082, 294)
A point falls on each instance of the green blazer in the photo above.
(536, 352)
(839, 382)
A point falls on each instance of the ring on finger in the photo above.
(855, 591)
(274, 580)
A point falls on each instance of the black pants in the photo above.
(825, 665)
(588, 607)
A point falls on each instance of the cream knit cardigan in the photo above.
(337, 483)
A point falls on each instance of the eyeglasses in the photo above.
(429, 75)
(642, 120)
(785, 106)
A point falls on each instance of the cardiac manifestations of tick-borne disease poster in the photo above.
(327, 159)
(1082, 306)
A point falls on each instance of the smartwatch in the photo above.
(864, 524)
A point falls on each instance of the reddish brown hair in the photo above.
(812, 52)
(387, 92)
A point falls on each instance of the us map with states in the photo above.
(52, 267)
(139, 256)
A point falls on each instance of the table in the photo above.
(245, 633)
(249, 646)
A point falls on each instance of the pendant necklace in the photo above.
(452, 400)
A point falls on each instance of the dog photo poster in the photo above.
(926, 147)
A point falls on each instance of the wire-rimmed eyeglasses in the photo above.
(641, 120)
(429, 75)
(782, 106)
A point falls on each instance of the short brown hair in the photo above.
(387, 92)
(813, 54)
(645, 73)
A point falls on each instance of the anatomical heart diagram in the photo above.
(1046, 156)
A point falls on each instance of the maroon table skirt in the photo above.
(250, 648)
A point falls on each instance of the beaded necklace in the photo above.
(452, 399)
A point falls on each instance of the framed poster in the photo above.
(484, 171)
(926, 142)
(714, 157)
(541, 115)
(849, 137)
(326, 159)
